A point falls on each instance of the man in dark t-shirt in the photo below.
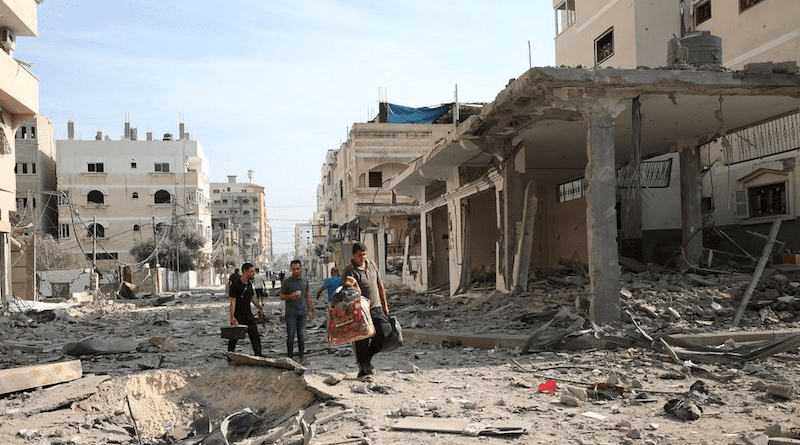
(294, 291)
(241, 294)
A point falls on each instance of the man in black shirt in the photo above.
(241, 294)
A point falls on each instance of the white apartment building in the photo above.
(240, 216)
(125, 191)
(19, 102)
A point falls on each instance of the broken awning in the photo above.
(398, 114)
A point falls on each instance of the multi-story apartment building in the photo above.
(354, 202)
(36, 177)
(115, 194)
(240, 215)
(19, 102)
(748, 175)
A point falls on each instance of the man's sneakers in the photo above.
(366, 372)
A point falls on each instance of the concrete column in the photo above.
(513, 194)
(601, 215)
(691, 212)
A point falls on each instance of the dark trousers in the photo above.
(260, 295)
(368, 347)
(252, 331)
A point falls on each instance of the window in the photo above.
(245, 212)
(95, 167)
(97, 231)
(245, 201)
(95, 197)
(102, 255)
(136, 227)
(162, 167)
(63, 231)
(746, 4)
(604, 46)
(162, 197)
(133, 164)
(565, 15)
(21, 168)
(224, 201)
(216, 191)
(63, 198)
(375, 179)
(33, 168)
(570, 190)
(22, 203)
(702, 12)
(135, 195)
(765, 200)
(341, 189)
(33, 132)
(22, 129)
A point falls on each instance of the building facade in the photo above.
(240, 216)
(35, 169)
(355, 203)
(748, 176)
(19, 102)
(116, 194)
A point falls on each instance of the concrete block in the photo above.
(19, 379)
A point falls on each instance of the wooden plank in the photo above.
(523, 257)
(440, 425)
(18, 379)
(282, 362)
(773, 233)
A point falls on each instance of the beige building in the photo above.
(36, 177)
(130, 191)
(240, 217)
(566, 152)
(748, 176)
(19, 102)
(356, 204)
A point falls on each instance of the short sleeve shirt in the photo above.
(330, 285)
(258, 281)
(368, 281)
(242, 293)
(291, 285)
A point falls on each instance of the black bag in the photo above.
(395, 338)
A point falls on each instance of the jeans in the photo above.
(296, 326)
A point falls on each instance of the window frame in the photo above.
(565, 16)
(744, 5)
(597, 42)
(698, 8)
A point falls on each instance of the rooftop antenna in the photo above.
(250, 175)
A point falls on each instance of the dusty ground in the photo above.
(179, 372)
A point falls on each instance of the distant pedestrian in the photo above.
(241, 294)
(272, 277)
(331, 284)
(281, 276)
(258, 285)
(231, 279)
(294, 291)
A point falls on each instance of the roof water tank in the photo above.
(698, 48)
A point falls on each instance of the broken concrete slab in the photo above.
(281, 362)
(18, 379)
(62, 395)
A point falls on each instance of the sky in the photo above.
(272, 85)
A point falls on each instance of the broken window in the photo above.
(161, 167)
(162, 197)
(63, 231)
(746, 4)
(767, 200)
(95, 167)
(103, 255)
(375, 179)
(702, 12)
(95, 197)
(604, 46)
(97, 231)
(63, 198)
(571, 190)
(565, 15)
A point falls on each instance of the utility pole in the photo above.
(175, 237)
(94, 275)
(155, 242)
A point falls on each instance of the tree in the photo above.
(186, 246)
(226, 258)
(50, 255)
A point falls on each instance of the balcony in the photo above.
(19, 90)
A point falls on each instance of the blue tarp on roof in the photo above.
(398, 114)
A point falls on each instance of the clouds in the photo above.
(272, 85)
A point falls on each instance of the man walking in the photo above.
(242, 294)
(294, 291)
(258, 284)
(363, 274)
